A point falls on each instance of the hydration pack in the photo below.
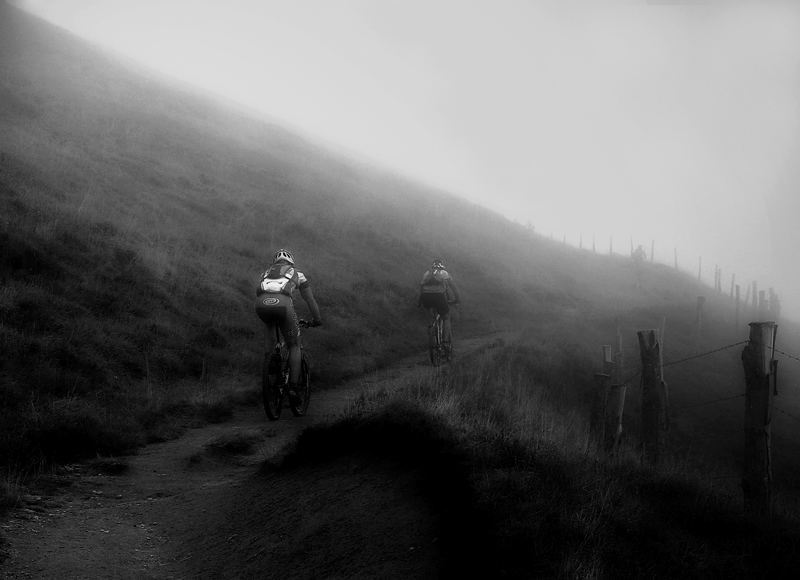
(280, 278)
(435, 281)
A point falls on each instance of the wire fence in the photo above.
(704, 354)
(628, 380)
(787, 355)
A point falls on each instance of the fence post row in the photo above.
(600, 413)
(758, 372)
(654, 397)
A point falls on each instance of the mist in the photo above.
(671, 125)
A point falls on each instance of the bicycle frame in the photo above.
(438, 351)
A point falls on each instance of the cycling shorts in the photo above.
(278, 309)
(437, 301)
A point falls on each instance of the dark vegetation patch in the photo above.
(511, 510)
(417, 442)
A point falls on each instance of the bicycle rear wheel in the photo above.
(434, 345)
(271, 393)
(299, 406)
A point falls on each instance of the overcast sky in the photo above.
(673, 121)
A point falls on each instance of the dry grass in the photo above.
(551, 506)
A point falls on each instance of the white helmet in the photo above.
(283, 255)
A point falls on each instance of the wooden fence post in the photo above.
(737, 306)
(754, 305)
(615, 406)
(602, 426)
(599, 411)
(654, 398)
(774, 306)
(757, 464)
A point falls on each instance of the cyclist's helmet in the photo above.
(285, 255)
(438, 264)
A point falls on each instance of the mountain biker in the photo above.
(639, 257)
(275, 307)
(434, 290)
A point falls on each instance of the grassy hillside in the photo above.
(136, 219)
(138, 216)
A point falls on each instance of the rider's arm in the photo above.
(456, 297)
(308, 296)
(259, 290)
(425, 277)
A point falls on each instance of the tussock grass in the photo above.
(11, 491)
(547, 503)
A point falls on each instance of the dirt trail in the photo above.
(95, 523)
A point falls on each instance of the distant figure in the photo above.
(639, 257)
(435, 292)
(275, 306)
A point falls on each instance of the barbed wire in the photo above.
(710, 402)
(702, 354)
(787, 355)
(787, 414)
(630, 378)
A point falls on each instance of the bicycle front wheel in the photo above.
(271, 395)
(299, 405)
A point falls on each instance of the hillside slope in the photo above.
(137, 216)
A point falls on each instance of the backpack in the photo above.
(435, 281)
(280, 278)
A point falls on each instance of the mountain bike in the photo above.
(439, 350)
(275, 380)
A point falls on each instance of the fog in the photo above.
(672, 123)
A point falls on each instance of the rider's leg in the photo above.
(444, 312)
(291, 332)
(447, 335)
(294, 363)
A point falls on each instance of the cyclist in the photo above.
(274, 306)
(434, 290)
